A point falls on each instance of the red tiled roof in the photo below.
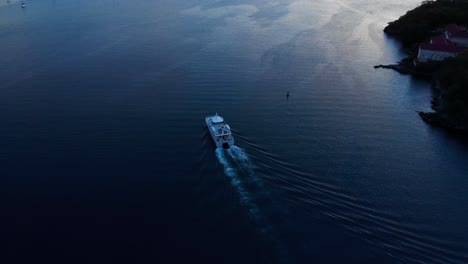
(440, 43)
(455, 32)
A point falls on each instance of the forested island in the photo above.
(449, 76)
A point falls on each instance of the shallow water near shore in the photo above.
(105, 157)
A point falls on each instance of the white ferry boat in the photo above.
(220, 131)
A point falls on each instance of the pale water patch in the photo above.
(219, 12)
(306, 15)
(250, 31)
(12, 2)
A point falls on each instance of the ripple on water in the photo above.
(400, 239)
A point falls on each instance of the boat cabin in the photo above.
(220, 128)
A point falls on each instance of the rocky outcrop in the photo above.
(439, 120)
(403, 69)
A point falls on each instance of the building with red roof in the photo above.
(456, 35)
(453, 42)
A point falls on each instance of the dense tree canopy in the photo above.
(453, 76)
(418, 24)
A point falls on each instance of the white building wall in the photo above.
(425, 55)
(463, 42)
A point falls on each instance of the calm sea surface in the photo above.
(105, 158)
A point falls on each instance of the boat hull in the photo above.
(221, 142)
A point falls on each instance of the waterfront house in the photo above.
(457, 35)
(438, 49)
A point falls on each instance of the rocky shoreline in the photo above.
(396, 67)
(426, 71)
(407, 66)
(438, 120)
(449, 76)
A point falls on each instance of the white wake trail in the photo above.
(231, 169)
(238, 167)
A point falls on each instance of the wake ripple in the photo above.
(239, 168)
(401, 239)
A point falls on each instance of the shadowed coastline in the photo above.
(450, 76)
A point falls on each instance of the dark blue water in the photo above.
(104, 157)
